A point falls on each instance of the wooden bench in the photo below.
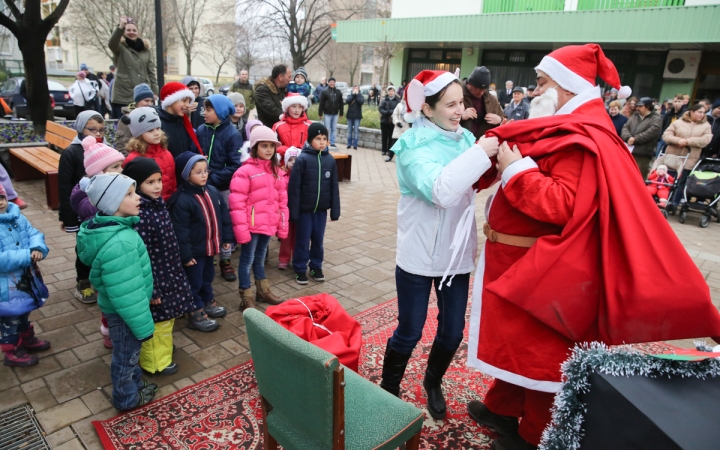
(58, 136)
(34, 163)
(344, 165)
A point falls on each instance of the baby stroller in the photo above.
(702, 191)
(675, 165)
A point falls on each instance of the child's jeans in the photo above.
(201, 276)
(309, 234)
(156, 353)
(252, 255)
(124, 369)
(11, 327)
(287, 245)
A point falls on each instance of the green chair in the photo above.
(311, 402)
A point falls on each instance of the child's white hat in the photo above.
(294, 99)
(291, 152)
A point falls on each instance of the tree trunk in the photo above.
(188, 61)
(32, 46)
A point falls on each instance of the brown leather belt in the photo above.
(508, 239)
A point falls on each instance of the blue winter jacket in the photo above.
(221, 144)
(313, 184)
(17, 239)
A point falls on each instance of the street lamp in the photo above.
(159, 44)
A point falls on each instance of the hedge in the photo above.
(371, 116)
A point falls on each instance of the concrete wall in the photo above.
(368, 138)
(671, 88)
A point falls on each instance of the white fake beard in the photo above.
(545, 105)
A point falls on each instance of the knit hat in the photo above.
(716, 104)
(81, 75)
(263, 134)
(3, 193)
(98, 156)
(142, 91)
(425, 84)
(84, 66)
(576, 67)
(108, 190)
(291, 152)
(141, 120)
(222, 105)
(294, 99)
(331, 79)
(184, 163)
(236, 98)
(140, 169)
(301, 71)
(315, 130)
(174, 91)
(82, 119)
(249, 126)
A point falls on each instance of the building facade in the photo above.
(660, 47)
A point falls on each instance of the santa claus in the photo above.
(572, 251)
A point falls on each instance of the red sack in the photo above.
(321, 320)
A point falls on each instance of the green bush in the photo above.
(371, 116)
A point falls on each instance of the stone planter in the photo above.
(368, 138)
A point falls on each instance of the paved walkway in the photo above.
(71, 385)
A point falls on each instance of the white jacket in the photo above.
(398, 117)
(436, 212)
(81, 91)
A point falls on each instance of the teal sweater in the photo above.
(120, 270)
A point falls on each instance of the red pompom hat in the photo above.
(575, 68)
(425, 84)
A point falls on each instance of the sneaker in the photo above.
(199, 321)
(22, 205)
(172, 369)
(301, 278)
(227, 271)
(150, 386)
(282, 266)
(213, 310)
(85, 292)
(317, 274)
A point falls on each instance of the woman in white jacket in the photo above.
(82, 93)
(401, 125)
(437, 164)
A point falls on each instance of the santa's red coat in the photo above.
(592, 274)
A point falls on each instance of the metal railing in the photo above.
(588, 5)
(505, 6)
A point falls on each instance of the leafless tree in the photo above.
(328, 58)
(31, 26)
(250, 39)
(386, 51)
(220, 45)
(351, 58)
(303, 24)
(188, 15)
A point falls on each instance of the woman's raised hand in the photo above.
(123, 22)
(489, 144)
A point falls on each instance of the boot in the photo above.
(263, 294)
(31, 342)
(246, 299)
(511, 442)
(227, 271)
(393, 370)
(197, 320)
(21, 204)
(390, 157)
(15, 355)
(502, 425)
(438, 363)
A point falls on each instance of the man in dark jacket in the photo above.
(319, 89)
(482, 109)
(671, 115)
(713, 148)
(387, 107)
(505, 96)
(312, 190)
(330, 107)
(518, 109)
(242, 86)
(641, 132)
(354, 115)
(269, 94)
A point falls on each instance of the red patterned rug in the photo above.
(223, 412)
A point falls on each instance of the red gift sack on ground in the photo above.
(321, 320)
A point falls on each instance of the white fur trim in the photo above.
(294, 100)
(474, 334)
(566, 78)
(579, 100)
(409, 117)
(517, 167)
(178, 95)
(624, 92)
(438, 83)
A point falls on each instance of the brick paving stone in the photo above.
(60, 437)
(71, 445)
(11, 398)
(63, 415)
(78, 380)
(41, 399)
(96, 401)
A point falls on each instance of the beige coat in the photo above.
(697, 134)
(398, 118)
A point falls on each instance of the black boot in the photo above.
(393, 370)
(438, 363)
(390, 157)
(502, 425)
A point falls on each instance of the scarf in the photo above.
(191, 132)
(136, 44)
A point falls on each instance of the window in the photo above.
(432, 59)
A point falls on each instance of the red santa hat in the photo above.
(575, 68)
(174, 91)
(425, 84)
(294, 98)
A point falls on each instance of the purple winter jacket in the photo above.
(80, 203)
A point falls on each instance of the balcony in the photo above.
(590, 5)
(506, 6)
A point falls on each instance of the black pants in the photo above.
(117, 110)
(386, 132)
(81, 270)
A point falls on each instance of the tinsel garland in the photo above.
(566, 429)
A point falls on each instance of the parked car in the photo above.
(343, 88)
(225, 89)
(10, 92)
(365, 90)
(208, 87)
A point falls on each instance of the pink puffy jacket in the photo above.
(258, 201)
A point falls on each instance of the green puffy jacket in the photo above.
(120, 270)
